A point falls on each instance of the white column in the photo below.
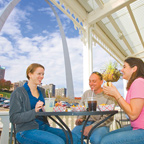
(4, 118)
(124, 87)
(87, 57)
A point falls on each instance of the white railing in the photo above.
(69, 120)
(5, 125)
(4, 122)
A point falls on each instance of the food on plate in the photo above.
(58, 104)
(78, 108)
(74, 106)
(106, 107)
(102, 104)
(59, 109)
(68, 110)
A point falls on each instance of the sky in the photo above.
(31, 35)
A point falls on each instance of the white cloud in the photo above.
(63, 18)
(4, 2)
(48, 11)
(5, 45)
(13, 23)
(48, 52)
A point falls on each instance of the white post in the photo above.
(4, 117)
(124, 86)
(87, 57)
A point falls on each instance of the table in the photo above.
(65, 127)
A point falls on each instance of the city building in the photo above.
(50, 90)
(60, 92)
(15, 85)
(21, 83)
(2, 72)
(18, 84)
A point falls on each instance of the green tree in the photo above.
(2, 83)
(5, 84)
(8, 85)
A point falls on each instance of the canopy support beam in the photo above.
(87, 57)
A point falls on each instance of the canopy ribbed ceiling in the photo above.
(118, 25)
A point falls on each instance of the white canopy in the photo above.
(116, 25)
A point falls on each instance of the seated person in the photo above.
(95, 82)
(25, 102)
(133, 106)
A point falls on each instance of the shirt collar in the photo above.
(26, 87)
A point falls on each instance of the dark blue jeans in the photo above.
(124, 136)
(44, 135)
(96, 135)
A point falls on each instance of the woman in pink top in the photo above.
(133, 106)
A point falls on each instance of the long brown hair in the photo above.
(133, 61)
(31, 68)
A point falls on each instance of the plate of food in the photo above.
(59, 107)
(104, 107)
(78, 108)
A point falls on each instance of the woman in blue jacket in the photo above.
(25, 102)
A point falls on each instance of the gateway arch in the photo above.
(69, 82)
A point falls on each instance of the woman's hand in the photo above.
(38, 106)
(111, 91)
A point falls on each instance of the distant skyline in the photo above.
(31, 35)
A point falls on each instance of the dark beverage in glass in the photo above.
(92, 104)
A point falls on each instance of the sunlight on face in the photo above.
(95, 82)
(127, 71)
(37, 76)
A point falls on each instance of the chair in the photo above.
(124, 119)
(13, 128)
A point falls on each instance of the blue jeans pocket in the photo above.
(20, 134)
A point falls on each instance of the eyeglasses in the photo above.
(99, 74)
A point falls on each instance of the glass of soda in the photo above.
(92, 103)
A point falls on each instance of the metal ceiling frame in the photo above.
(109, 8)
(100, 3)
(119, 31)
(135, 24)
(77, 11)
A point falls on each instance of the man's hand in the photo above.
(87, 130)
(79, 121)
